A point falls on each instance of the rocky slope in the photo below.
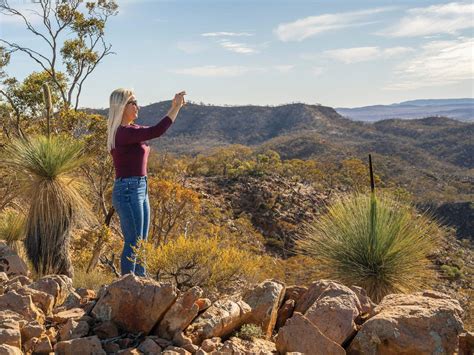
(141, 316)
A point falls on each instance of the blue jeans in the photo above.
(130, 200)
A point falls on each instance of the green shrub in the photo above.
(452, 272)
(379, 244)
(249, 331)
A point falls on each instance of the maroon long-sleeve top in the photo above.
(131, 151)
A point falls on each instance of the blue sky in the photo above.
(337, 53)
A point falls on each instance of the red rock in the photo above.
(23, 305)
(72, 330)
(43, 300)
(64, 316)
(89, 345)
(111, 348)
(58, 286)
(86, 293)
(367, 305)
(10, 333)
(240, 346)
(135, 304)
(300, 335)
(335, 312)
(265, 300)
(209, 345)
(11, 263)
(311, 295)
(106, 330)
(285, 312)
(148, 346)
(9, 350)
(31, 330)
(419, 323)
(181, 313)
(466, 343)
(203, 304)
(43, 346)
(173, 350)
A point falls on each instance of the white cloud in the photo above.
(237, 47)
(226, 34)
(313, 25)
(284, 68)
(216, 71)
(363, 54)
(190, 47)
(317, 71)
(445, 18)
(440, 63)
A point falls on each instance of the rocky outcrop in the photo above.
(10, 263)
(136, 315)
(135, 304)
(421, 323)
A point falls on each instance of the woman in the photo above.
(127, 143)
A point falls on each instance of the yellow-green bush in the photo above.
(199, 261)
(380, 244)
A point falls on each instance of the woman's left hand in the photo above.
(178, 100)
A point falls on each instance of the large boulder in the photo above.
(21, 304)
(181, 313)
(300, 335)
(306, 299)
(218, 320)
(334, 312)
(135, 304)
(421, 323)
(265, 300)
(11, 263)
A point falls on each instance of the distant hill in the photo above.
(432, 157)
(459, 109)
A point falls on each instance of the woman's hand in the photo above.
(178, 100)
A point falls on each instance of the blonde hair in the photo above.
(118, 100)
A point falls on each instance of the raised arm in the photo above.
(133, 134)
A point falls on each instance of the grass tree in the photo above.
(377, 242)
(44, 167)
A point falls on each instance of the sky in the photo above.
(272, 52)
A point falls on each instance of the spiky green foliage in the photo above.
(12, 227)
(44, 167)
(379, 244)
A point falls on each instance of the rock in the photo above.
(190, 347)
(285, 312)
(311, 295)
(367, 305)
(210, 345)
(111, 348)
(240, 346)
(9, 350)
(300, 335)
(89, 345)
(135, 304)
(335, 312)
(64, 316)
(43, 300)
(181, 313)
(3, 278)
(72, 301)
(218, 320)
(11, 263)
(106, 330)
(52, 334)
(203, 304)
(419, 323)
(265, 300)
(148, 346)
(58, 286)
(86, 293)
(180, 339)
(23, 305)
(10, 332)
(130, 351)
(43, 346)
(173, 350)
(295, 293)
(31, 330)
(73, 330)
(466, 343)
(22, 279)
